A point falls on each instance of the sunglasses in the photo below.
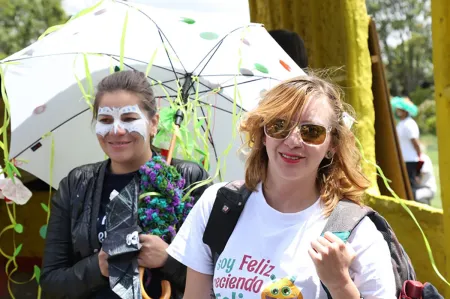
(310, 133)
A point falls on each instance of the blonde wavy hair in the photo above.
(343, 178)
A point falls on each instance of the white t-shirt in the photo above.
(407, 129)
(268, 250)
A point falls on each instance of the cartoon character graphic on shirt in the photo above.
(282, 289)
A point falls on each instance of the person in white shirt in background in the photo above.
(408, 135)
(426, 182)
(303, 160)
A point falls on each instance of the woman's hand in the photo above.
(153, 252)
(332, 258)
(103, 263)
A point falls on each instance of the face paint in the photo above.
(139, 126)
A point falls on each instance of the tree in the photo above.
(404, 28)
(23, 21)
(426, 118)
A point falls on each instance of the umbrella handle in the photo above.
(166, 290)
(172, 147)
(178, 118)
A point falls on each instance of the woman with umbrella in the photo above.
(408, 136)
(75, 260)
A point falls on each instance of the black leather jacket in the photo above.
(70, 265)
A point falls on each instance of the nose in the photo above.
(294, 139)
(118, 131)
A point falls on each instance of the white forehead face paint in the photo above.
(139, 125)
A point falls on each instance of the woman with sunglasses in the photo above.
(302, 162)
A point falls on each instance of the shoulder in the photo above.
(84, 172)
(365, 226)
(373, 263)
(366, 237)
(209, 196)
(411, 123)
(87, 168)
(78, 181)
(189, 168)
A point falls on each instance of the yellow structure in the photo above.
(441, 58)
(336, 36)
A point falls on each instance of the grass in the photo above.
(431, 144)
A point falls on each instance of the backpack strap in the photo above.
(227, 208)
(343, 220)
(401, 263)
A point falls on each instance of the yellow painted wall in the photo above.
(440, 10)
(431, 221)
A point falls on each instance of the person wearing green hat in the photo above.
(408, 135)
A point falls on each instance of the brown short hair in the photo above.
(132, 81)
(343, 178)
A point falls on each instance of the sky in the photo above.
(238, 9)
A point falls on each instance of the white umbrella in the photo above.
(233, 64)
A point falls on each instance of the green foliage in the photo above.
(23, 21)
(426, 119)
(404, 29)
(420, 95)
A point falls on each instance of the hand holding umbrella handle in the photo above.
(166, 290)
(165, 285)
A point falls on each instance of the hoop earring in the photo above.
(331, 162)
(329, 155)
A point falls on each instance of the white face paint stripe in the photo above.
(139, 126)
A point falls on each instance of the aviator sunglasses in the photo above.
(310, 133)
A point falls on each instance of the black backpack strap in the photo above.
(343, 220)
(227, 208)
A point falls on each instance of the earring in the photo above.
(329, 155)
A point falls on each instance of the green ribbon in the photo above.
(185, 145)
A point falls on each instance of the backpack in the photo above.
(230, 202)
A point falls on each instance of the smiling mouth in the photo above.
(291, 157)
(119, 143)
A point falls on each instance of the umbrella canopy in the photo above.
(211, 68)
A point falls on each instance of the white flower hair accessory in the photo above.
(348, 120)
